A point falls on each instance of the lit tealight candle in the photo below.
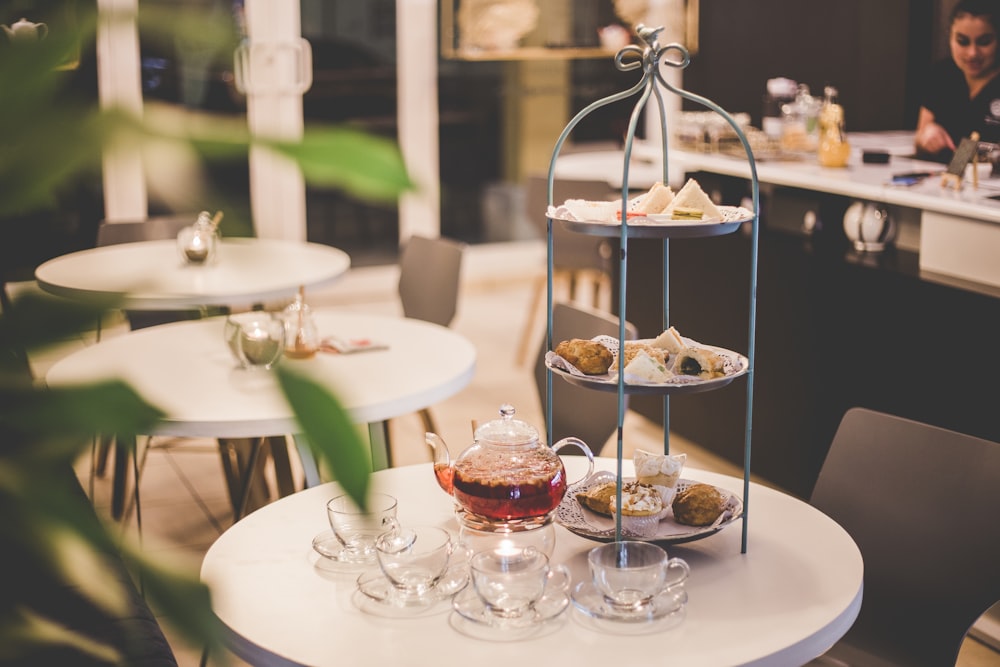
(197, 250)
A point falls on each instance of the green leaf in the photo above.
(333, 436)
(364, 165)
(111, 407)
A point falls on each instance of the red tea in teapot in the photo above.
(524, 487)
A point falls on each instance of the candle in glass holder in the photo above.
(198, 242)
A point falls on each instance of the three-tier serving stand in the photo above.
(649, 58)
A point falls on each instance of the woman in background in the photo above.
(962, 93)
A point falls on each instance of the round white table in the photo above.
(151, 275)
(789, 598)
(187, 370)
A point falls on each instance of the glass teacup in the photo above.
(510, 582)
(630, 574)
(414, 559)
(355, 529)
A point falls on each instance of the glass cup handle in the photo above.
(685, 571)
(558, 578)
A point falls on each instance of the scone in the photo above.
(699, 362)
(698, 505)
(589, 357)
(599, 498)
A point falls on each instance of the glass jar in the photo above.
(198, 243)
(301, 333)
(834, 149)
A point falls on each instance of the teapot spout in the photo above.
(443, 470)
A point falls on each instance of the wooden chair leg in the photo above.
(524, 347)
(278, 447)
(119, 482)
(101, 455)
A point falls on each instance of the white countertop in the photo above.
(870, 182)
(791, 596)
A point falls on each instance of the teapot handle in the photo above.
(577, 442)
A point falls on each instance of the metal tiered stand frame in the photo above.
(649, 59)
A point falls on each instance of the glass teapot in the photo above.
(506, 478)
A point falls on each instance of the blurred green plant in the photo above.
(45, 523)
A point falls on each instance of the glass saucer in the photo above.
(329, 547)
(666, 605)
(381, 598)
(471, 606)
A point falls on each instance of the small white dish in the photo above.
(666, 605)
(381, 598)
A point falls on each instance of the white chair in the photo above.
(921, 502)
(587, 414)
(429, 282)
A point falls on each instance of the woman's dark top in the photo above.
(946, 95)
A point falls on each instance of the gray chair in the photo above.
(574, 256)
(243, 460)
(589, 415)
(921, 503)
(429, 281)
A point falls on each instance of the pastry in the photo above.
(658, 469)
(599, 498)
(587, 356)
(642, 508)
(699, 362)
(698, 505)
(670, 341)
(634, 347)
(691, 196)
(645, 369)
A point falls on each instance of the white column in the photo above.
(277, 71)
(417, 94)
(120, 85)
(671, 15)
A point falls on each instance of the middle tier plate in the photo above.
(736, 365)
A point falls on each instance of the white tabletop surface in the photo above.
(152, 275)
(792, 595)
(870, 182)
(187, 370)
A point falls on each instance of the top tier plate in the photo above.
(657, 226)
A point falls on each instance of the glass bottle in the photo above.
(834, 148)
(199, 242)
(301, 334)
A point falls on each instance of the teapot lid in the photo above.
(506, 430)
